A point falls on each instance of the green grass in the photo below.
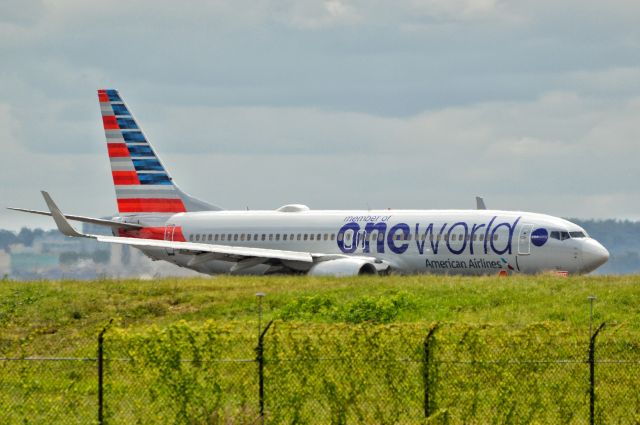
(64, 317)
(487, 323)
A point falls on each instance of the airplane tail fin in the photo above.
(142, 183)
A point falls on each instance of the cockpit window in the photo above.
(561, 235)
(577, 234)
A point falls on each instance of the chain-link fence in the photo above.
(329, 373)
(48, 391)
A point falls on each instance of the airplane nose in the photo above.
(593, 255)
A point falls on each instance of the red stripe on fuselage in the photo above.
(150, 205)
(125, 177)
(118, 150)
(110, 122)
(158, 233)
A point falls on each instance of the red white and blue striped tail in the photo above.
(142, 183)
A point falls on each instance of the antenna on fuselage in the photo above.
(480, 203)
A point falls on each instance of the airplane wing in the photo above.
(244, 257)
(222, 251)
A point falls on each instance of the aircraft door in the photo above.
(169, 231)
(524, 241)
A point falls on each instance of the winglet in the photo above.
(62, 223)
(480, 203)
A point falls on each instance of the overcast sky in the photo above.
(534, 105)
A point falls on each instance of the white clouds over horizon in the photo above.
(339, 104)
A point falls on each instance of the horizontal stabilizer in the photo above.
(97, 221)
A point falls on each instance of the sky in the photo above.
(534, 105)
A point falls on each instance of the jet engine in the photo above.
(343, 267)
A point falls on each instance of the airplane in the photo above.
(165, 223)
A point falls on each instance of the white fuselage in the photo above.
(467, 242)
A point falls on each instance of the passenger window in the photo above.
(306, 236)
(210, 237)
(222, 237)
(495, 236)
(277, 236)
(299, 236)
(229, 237)
(333, 236)
(264, 236)
(197, 238)
(291, 237)
(255, 237)
(284, 237)
(319, 236)
(340, 236)
(311, 237)
(270, 236)
(326, 236)
(191, 238)
(242, 237)
(235, 237)
(481, 237)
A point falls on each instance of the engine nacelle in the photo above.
(343, 267)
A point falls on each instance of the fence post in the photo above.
(101, 373)
(260, 360)
(425, 369)
(592, 375)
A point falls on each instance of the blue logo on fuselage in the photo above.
(539, 237)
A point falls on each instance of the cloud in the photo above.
(523, 155)
(336, 103)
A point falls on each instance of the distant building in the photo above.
(54, 256)
(5, 263)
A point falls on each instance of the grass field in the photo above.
(64, 317)
(349, 350)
